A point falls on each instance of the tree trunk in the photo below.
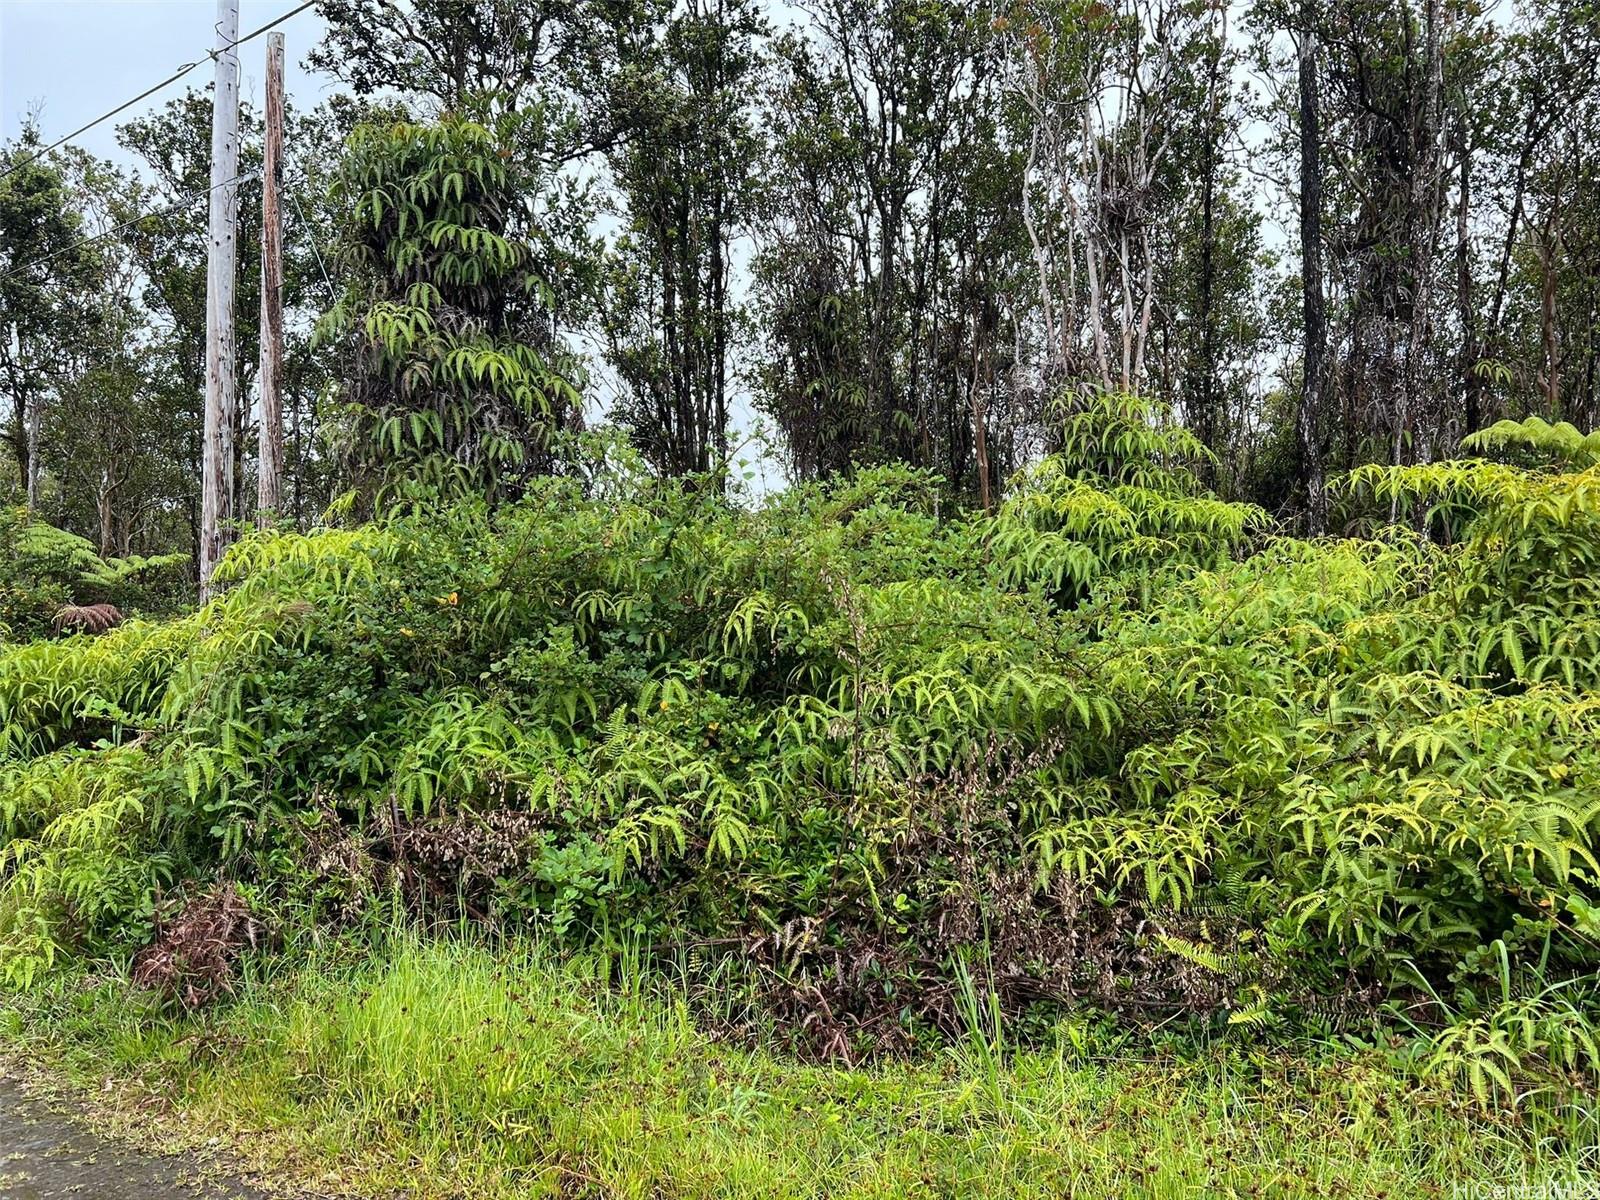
(1308, 418)
(106, 511)
(1466, 309)
(1423, 217)
(35, 422)
(16, 378)
(1206, 423)
(1548, 336)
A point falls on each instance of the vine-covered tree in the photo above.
(453, 371)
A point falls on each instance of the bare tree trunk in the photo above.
(1466, 309)
(1205, 420)
(1147, 308)
(105, 510)
(1548, 335)
(35, 424)
(16, 378)
(1537, 126)
(1054, 339)
(1092, 247)
(1423, 218)
(1126, 316)
(980, 407)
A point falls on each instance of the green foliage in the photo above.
(1119, 499)
(1536, 437)
(453, 376)
(1113, 739)
(690, 172)
(511, 1072)
(43, 567)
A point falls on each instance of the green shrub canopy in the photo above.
(855, 727)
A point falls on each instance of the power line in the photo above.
(32, 158)
(173, 78)
(311, 236)
(255, 33)
(182, 202)
(101, 236)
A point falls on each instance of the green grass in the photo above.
(438, 1068)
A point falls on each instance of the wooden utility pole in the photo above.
(269, 473)
(1308, 417)
(221, 382)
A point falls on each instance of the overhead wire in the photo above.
(150, 91)
(90, 239)
(311, 237)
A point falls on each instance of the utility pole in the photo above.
(31, 473)
(1308, 416)
(269, 471)
(216, 458)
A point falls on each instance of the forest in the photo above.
(864, 598)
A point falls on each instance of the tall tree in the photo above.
(43, 266)
(549, 63)
(690, 181)
(1309, 415)
(887, 120)
(452, 373)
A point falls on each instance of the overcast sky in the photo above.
(72, 60)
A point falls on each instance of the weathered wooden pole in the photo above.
(221, 247)
(269, 471)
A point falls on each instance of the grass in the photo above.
(440, 1068)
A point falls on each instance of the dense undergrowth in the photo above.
(45, 571)
(1115, 748)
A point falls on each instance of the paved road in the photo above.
(45, 1156)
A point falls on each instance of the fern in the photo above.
(1561, 442)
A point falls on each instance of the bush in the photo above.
(1115, 744)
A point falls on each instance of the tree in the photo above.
(43, 263)
(547, 62)
(108, 440)
(688, 173)
(453, 374)
(886, 269)
(1542, 319)
(1308, 417)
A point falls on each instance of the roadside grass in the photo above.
(440, 1068)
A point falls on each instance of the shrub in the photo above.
(43, 569)
(1113, 745)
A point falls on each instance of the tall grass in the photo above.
(446, 1068)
